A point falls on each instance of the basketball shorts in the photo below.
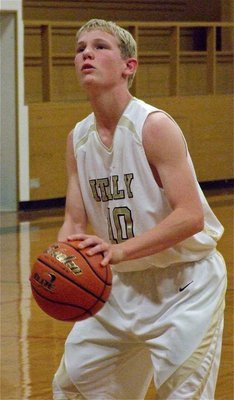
(164, 324)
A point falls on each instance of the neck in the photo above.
(109, 106)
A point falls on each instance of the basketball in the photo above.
(69, 285)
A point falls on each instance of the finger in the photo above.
(77, 236)
(91, 241)
(97, 248)
(106, 259)
(105, 262)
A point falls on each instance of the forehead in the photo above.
(97, 34)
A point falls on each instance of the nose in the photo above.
(87, 53)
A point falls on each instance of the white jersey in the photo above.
(122, 198)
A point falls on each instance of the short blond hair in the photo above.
(127, 44)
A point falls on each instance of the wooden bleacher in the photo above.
(184, 67)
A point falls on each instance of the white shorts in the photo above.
(165, 323)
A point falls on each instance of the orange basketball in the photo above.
(68, 284)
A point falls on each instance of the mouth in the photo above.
(87, 67)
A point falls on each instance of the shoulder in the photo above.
(138, 105)
(84, 123)
(162, 137)
(137, 112)
(82, 129)
(159, 122)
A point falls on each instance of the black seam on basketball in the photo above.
(75, 283)
(86, 310)
(61, 303)
(86, 259)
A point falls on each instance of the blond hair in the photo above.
(126, 42)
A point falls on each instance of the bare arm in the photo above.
(75, 220)
(166, 153)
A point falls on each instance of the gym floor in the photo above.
(32, 342)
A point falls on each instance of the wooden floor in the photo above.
(32, 342)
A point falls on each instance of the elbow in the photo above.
(198, 222)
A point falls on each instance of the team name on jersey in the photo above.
(106, 189)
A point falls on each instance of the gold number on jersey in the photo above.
(120, 226)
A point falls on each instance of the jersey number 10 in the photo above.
(120, 225)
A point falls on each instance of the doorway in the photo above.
(8, 113)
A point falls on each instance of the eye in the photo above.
(101, 46)
(80, 49)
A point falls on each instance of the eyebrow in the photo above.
(94, 40)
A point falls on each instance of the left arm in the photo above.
(166, 153)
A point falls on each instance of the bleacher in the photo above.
(184, 67)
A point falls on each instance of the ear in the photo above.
(130, 67)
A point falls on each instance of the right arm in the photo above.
(75, 220)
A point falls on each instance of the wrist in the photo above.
(118, 254)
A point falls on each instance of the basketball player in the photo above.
(131, 177)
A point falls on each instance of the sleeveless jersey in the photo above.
(121, 196)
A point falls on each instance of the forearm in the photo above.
(69, 228)
(178, 226)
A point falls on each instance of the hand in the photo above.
(112, 253)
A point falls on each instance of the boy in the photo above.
(131, 177)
